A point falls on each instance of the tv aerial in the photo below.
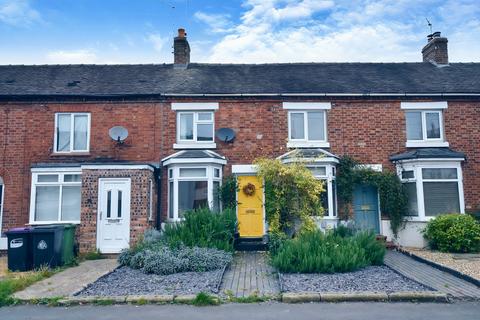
(118, 134)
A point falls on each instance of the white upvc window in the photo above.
(326, 173)
(192, 187)
(195, 125)
(424, 124)
(72, 132)
(55, 196)
(2, 192)
(307, 124)
(433, 188)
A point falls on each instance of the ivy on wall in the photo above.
(393, 198)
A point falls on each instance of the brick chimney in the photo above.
(181, 49)
(436, 50)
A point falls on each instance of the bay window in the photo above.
(192, 187)
(432, 188)
(55, 196)
(72, 132)
(328, 198)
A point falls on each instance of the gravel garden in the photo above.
(186, 258)
(342, 260)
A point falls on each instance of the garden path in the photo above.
(69, 281)
(250, 274)
(431, 277)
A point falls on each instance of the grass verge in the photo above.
(14, 282)
(204, 299)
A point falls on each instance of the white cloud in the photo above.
(157, 41)
(72, 57)
(363, 31)
(218, 23)
(18, 13)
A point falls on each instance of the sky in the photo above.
(234, 31)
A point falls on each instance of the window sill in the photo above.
(301, 144)
(211, 145)
(70, 154)
(40, 223)
(426, 144)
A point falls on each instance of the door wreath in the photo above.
(249, 189)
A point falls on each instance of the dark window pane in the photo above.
(109, 203)
(440, 197)
(205, 132)
(324, 199)
(192, 195)
(414, 125)
(119, 208)
(440, 173)
(408, 174)
(170, 200)
(216, 196)
(433, 125)
(412, 207)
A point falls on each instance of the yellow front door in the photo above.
(250, 206)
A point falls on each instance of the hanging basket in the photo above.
(249, 189)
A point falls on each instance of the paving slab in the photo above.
(431, 277)
(69, 281)
(250, 274)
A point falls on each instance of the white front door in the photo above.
(113, 223)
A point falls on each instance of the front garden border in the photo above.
(453, 272)
(366, 296)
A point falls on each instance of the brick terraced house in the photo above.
(59, 163)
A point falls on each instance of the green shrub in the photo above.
(344, 231)
(315, 252)
(374, 250)
(161, 259)
(203, 228)
(453, 233)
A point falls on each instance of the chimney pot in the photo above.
(181, 33)
(436, 49)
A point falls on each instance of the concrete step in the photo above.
(250, 244)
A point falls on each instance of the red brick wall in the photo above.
(369, 130)
(139, 204)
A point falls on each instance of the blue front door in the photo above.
(365, 208)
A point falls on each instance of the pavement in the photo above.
(431, 277)
(276, 311)
(70, 281)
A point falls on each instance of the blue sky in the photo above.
(233, 31)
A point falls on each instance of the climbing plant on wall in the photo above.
(292, 193)
(393, 198)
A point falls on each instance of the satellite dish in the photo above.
(225, 134)
(118, 133)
